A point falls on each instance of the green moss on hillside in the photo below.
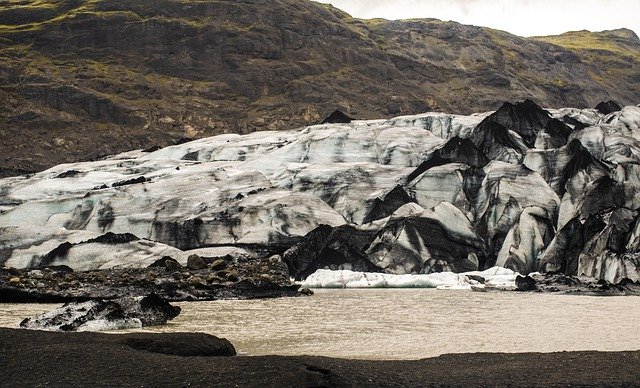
(601, 43)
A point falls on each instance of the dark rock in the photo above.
(306, 291)
(14, 271)
(385, 207)
(337, 117)
(258, 288)
(105, 314)
(197, 281)
(554, 282)
(172, 265)
(181, 344)
(68, 174)
(196, 263)
(152, 149)
(525, 283)
(214, 279)
(162, 263)
(232, 275)
(133, 181)
(608, 107)
(114, 238)
(477, 278)
(59, 268)
(218, 264)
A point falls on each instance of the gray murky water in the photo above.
(406, 323)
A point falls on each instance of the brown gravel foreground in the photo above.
(32, 358)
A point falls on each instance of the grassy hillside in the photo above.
(85, 78)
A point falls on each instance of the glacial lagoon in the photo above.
(404, 323)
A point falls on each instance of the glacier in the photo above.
(524, 188)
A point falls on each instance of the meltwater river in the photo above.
(405, 323)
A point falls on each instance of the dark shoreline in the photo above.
(33, 358)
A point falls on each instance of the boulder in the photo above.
(99, 315)
(525, 283)
(606, 107)
(180, 344)
(196, 263)
(218, 264)
(337, 117)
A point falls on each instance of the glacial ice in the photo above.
(399, 190)
(496, 277)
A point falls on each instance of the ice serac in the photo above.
(456, 150)
(453, 183)
(334, 248)
(559, 166)
(498, 142)
(604, 246)
(386, 206)
(415, 240)
(506, 191)
(509, 132)
(526, 241)
(525, 118)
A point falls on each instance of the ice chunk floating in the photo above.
(496, 277)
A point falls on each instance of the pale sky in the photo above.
(520, 17)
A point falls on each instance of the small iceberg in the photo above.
(103, 315)
(492, 278)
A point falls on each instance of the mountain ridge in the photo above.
(85, 78)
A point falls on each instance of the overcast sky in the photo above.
(520, 17)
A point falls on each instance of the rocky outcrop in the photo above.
(578, 285)
(337, 117)
(234, 275)
(606, 107)
(99, 315)
(95, 78)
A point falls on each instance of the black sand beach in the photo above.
(33, 358)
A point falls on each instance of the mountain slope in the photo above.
(84, 78)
